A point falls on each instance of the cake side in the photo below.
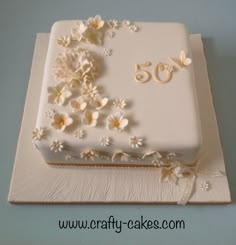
(156, 117)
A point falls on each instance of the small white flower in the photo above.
(61, 121)
(205, 186)
(117, 122)
(88, 155)
(56, 146)
(157, 162)
(110, 34)
(90, 118)
(120, 156)
(98, 102)
(171, 155)
(64, 41)
(168, 175)
(68, 157)
(96, 23)
(126, 23)
(38, 133)
(78, 104)
(50, 113)
(58, 94)
(105, 141)
(107, 52)
(136, 142)
(79, 133)
(114, 24)
(89, 91)
(133, 28)
(119, 104)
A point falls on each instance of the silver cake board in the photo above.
(33, 181)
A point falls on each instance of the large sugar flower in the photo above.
(90, 118)
(78, 104)
(85, 33)
(61, 121)
(98, 102)
(96, 23)
(117, 122)
(58, 94)
(75, 67)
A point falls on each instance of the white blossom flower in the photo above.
(105, 141)
(96, 23)
(64, 41)
(110, 34)
(75, 67)
(58, 94)
(56, 146)
(68, 157)
(117, 122)
(184, 60)
(136, 142)
(114, 24)
(107, 52)
(98, 102)
(168, 175)
(61, 121)
(205, 186)
(89, 91)
(89, 155)
(133, 28)
(120, 156)
(50, 113)
(171, 155)
(126, 23)
(86, 33)
(78, 104)
(90, 118)
(119, 104)
(38, 133)
(79, 133)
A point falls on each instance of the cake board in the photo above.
(34, 182)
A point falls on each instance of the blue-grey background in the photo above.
(20, 20)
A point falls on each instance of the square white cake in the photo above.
(117, 93)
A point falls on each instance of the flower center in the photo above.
(116, 123)
(62, 122)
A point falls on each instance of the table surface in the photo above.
(35, 224)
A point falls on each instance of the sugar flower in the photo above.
(110, 34)
(50, 113)
(90, 118)
(168, 175)
(114, 24)
(205, 186)
(89, 91)
(98, 102)
(75, 67)
(120, 156)
(61, 121)
(78, 104)
(68, 157)
(105, 141)
(88, 155)
(38, 133)
(133, 28)
(107, 52)
(136, 142)
(64, 41)
(79, 133)
(58, 94)
(86, 33)
(126, 23)
(119, 104)
(117, 122)
(96, 22)
(56, 146)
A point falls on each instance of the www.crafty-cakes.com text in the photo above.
(117, 225)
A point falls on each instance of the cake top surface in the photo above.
(120, 86)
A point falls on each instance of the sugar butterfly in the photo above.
(183, 60)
